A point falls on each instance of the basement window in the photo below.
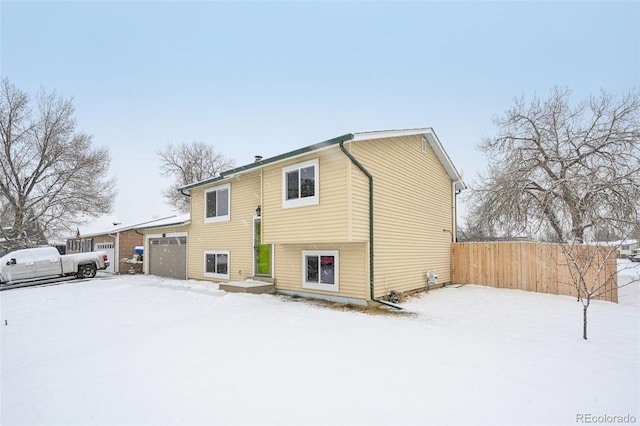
(216, 264)
(320, 270)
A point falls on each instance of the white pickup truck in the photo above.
(46, 262)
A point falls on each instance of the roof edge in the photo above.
(434, 142)
(277, 158)
(119, 228)
(381, 134)
(428, 132)
(445, 160)
(166, 225)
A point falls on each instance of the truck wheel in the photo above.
(87, 271)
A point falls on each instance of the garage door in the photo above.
(111, 254)
(168, 257)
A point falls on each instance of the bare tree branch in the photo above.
(189, 163)
(565, 174)
(52, 178)
(593, 272)
(571, 170)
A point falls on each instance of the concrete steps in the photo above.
(249, 286)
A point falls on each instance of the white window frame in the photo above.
(225, 218)
(306, 201)
(86, 245)
(335, 287)
(216, 275)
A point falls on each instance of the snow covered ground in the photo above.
(141, 350)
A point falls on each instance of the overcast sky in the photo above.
(264, 78)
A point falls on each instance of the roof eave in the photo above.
(118, 229)
(434, 142)
(446, 162)
(381, 134)
(428, 132)
(248, 167)
(167, 225)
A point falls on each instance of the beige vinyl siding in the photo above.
(359, 204)
(235, 236)
(413, 201)
(166, 230)
(324, 222)
(353, 268)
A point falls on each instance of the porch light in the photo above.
(258, 211)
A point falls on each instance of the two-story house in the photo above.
(348, 219)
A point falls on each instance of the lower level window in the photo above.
(320, 270)
(216, 264)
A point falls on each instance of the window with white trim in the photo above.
(216, 264)
(86, 245)
(320, 270)
(300, 184)
(217, 204)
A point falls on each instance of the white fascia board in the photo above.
(445, 160)
(166, 225)
(390, 133)
(176, 220)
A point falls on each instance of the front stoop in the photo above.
(249, 286)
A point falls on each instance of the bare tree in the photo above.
(563, 173)
(561, 170)
(51, 177)
(593, 272)
(471, 228)
(189, 163)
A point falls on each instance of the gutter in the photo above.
(371, 246)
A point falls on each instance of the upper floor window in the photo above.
(216, 204)
(300, 184)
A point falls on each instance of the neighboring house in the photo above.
(628, 247)
(119, 242)
(348, 219)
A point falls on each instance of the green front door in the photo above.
(262, 251)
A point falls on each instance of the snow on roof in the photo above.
(617, 242)
(101, 227)
(168, 221)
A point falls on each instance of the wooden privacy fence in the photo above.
(529, 266)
